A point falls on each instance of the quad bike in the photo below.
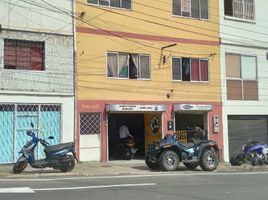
(167, 153)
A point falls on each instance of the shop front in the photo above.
(143, 121)
(190, 117)
(99, 124)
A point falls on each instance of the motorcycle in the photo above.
(127, 148)
(61, 156)
(253, 152)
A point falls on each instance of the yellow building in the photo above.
(151, 65)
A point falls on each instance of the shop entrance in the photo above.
(145, 128)
(188, 122)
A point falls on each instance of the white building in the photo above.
(36, 69)
(244, 61)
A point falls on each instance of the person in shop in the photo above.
(124, 133)
(200, 133)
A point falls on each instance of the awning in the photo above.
(135, 108)
(192, 107)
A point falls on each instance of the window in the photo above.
(128, 65)
(112, 3)
(20, 54)
(90, 123)
(241, 76)
(197, 9)
(190, 69)
(243, 9)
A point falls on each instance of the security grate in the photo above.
(16, 119)
(90, 123)
(7, 107)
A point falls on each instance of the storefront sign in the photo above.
(135, 108)
(193, 107)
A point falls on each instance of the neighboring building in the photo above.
(149, 65)
(36, 69)
(244, 61)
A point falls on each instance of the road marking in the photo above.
(16, 190)
(159, 174)
(95, 187)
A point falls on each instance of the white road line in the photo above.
(160, 174)
(16, 190)
(95, 187)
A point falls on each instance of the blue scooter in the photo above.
(60, 156)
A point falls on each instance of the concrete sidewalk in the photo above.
(133, 167)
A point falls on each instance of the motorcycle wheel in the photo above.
(257, 162)
(237, 160)
(169, 160)
(191, 166)
(150, 164)
(19, 166)
(68, 166)
(127, 154)
(209, 160)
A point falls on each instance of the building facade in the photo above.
(244, 61)
(153, 67)
(36, 68)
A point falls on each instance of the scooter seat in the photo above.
(58, 147)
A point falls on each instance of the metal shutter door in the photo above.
(241, 130)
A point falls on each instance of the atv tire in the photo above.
(237, 159)
(169, 160)
(191, 166)
(209, 160)
(150, 164)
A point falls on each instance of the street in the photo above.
(190, 186)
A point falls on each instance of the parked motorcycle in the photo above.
(127, 148)
(254, 152)
(60, 156)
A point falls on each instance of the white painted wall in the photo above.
(67, 109)
(58, 73)
(35, 15)
(247, 38)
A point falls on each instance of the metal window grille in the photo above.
(7, 107)
(90, 123)
(50, 108)
(27, 108)
(22, 54)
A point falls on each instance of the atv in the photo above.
(167, 153)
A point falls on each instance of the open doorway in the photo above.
(135, 124)
(188, 122)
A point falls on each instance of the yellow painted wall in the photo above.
(150, 18)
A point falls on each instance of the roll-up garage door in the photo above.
(243, 128)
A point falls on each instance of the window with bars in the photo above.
(189, 69)
(197, 9)
(112, 3)
(128, 65)
(24, 55)
(90, 123)
(242, 9)
(241, 77)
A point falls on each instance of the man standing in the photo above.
(124, 132)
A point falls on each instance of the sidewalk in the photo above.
(133, 167)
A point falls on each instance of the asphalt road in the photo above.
(191, 186)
